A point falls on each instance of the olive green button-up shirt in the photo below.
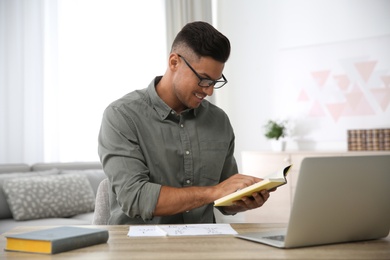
(144, 144)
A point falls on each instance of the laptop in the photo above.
(337, 199)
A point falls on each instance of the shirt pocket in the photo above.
(213, 154)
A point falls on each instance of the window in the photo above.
(105, 49)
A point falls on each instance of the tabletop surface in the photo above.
(120, 246)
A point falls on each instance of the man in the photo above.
(168, 152)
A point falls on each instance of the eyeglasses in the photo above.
(205, 82)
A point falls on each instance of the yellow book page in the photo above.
(248, 191)
(24, 245)
(270, 181)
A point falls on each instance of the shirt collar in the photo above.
(159, 105)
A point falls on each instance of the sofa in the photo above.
(48, 194)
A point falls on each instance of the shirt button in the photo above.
(181, 125)
(188, 181)
(187, 152)
(172, 113)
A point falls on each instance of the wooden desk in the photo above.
(120, 246)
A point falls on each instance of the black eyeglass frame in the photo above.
(208, 82)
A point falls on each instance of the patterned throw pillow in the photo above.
(5, 211)
(49, 196)
(95, 176)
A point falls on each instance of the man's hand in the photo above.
(240, 181)
(234, 183)
(246, 203)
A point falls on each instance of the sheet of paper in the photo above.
(146, 231)
(181, 230)
(198, 229)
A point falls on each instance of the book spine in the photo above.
(63, 245)
(375, 139)
(361, 140)
(369, 140)
(386, 139)
(382, 139)
(352, 140)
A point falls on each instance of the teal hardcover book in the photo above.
(55, 240)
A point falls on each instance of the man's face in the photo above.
(185, 84)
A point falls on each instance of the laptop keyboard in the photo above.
(278, 238)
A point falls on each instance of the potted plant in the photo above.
(276, 130)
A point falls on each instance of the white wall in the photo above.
(260, 30)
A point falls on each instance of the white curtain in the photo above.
(21, 80)
(181, 12)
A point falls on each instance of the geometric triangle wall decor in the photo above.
(382, 96)
(342, 81)
(354, 98)
(316, 110)
(303, 96)
(320, 77)
(365, 69)
(362, 107)
(336, 110)
(386, 80)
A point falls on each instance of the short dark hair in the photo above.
(204, 40)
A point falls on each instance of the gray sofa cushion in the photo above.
(5, 211)
(14, 167)
(49, 196)
(67, 166)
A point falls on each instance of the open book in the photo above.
(269, 182)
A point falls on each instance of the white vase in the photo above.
(278, 145)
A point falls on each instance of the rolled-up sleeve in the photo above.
(125, 166)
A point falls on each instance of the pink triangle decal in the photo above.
(386, 80)
(316, 110)
(365, 69)
(342, 81)
(362, 107)
(336, 110)
(382, 96)
(354, 97)
(320, 77)
(303, 96)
